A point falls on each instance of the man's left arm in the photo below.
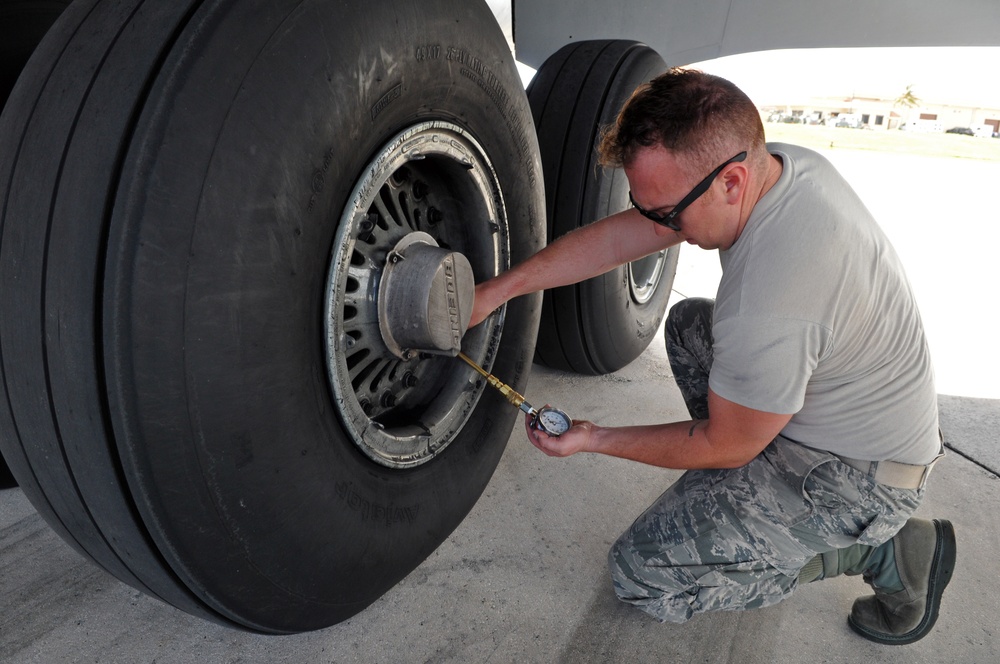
(731, 437)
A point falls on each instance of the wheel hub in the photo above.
(425, 300)
(644, 276)
(425, 222)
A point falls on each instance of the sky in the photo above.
(960, 76)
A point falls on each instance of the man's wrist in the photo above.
(597, 439)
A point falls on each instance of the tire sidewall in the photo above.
(216, 292)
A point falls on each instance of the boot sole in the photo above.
(942, 567)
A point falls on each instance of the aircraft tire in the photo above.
(189, 348)
(23, 23)
(602, 324)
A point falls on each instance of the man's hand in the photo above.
(573, 441)
(731, 437)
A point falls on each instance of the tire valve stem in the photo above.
(512, 396)
(552, 421)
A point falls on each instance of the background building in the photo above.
(884, 114)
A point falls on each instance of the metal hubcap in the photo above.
(436, 179)
(425, 298)
(644, 276)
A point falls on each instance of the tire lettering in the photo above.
(482, 436)
(428, 52)
(476, 71)
(387, 515)
(644, 331)
(319, 179)
(392, 95)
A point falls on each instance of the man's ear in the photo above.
(735, 179)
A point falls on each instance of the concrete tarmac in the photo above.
(524, 578)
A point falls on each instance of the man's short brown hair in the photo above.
(688, 112)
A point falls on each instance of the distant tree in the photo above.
(907, 99)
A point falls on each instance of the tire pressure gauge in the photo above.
(552, 421)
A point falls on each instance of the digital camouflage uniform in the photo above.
(732, 539)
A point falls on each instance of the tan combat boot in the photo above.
(924, 559)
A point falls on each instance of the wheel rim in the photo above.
(432, 178)
(644, 276)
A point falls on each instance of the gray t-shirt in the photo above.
(814, 316)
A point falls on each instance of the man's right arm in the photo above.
(584, 253)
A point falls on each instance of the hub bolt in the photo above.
(366, 227)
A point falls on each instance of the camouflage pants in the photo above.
(731, 539)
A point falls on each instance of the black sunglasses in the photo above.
(667, 219)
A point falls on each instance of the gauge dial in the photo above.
(553, 421)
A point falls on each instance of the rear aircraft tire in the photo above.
(199, 204)
(23, 23)
(600, 325)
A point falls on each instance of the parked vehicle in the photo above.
(849, 120)
(922, 126)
